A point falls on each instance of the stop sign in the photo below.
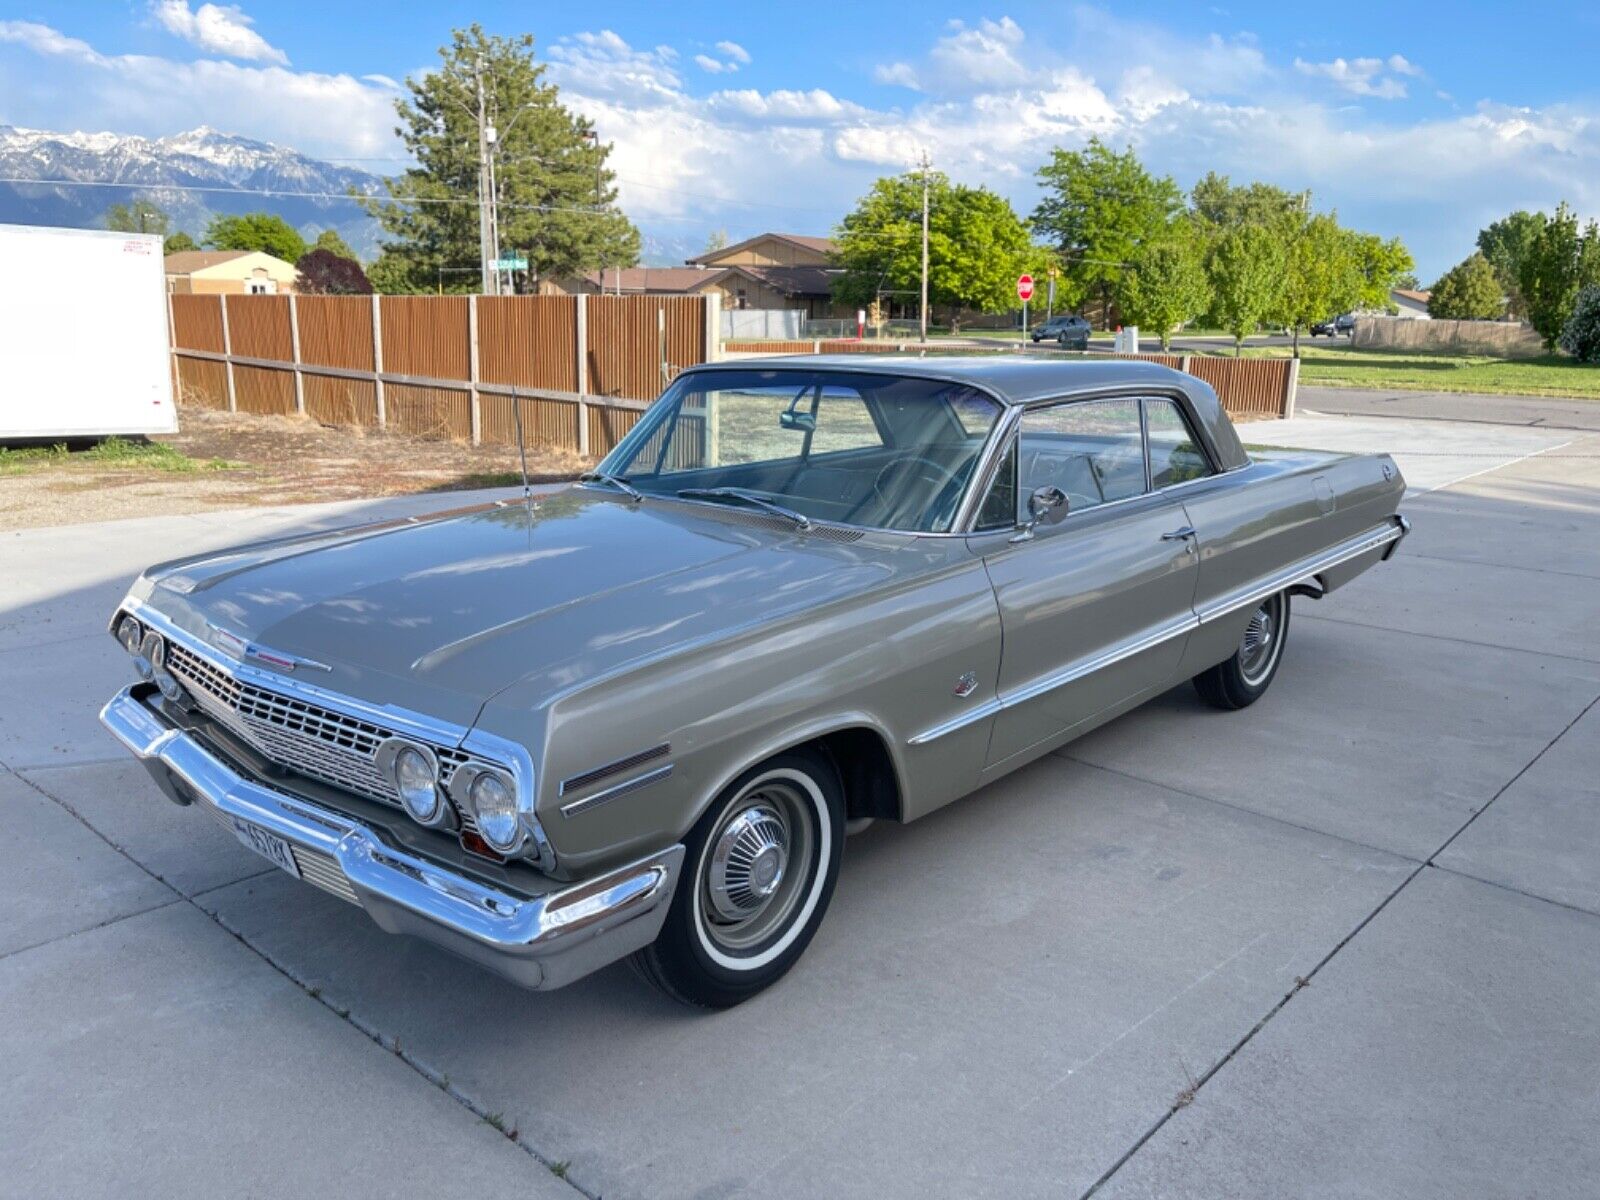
(1025, 287)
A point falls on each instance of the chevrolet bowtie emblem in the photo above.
(232, 643)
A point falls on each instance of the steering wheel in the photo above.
(935, 473)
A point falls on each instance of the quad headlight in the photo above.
(490, 795)
(414, 770)
(154, 651)
(134, 638)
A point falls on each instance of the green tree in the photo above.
(1382, 264)
(266, 232)
(1468, 291)
(1099, 207)
(977, 246)
(1167, 285)
(330, 241)
(1580, 337)
(1218, 205)
(1504, 243)
(393, 274)
(1321, 275)
(554, 194)
(1245, 267)
(1549, 273)
(141, 216)
(179, 241)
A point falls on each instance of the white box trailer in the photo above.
(83, 334)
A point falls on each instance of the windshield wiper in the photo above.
(622, 485)
(801, 521)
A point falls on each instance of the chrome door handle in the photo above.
(1178, 535)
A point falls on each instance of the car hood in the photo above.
(438, 615)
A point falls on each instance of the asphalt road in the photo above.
(1342, 943)
(1534, 411)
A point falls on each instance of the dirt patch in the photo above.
(268, 461)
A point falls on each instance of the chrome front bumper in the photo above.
(538, 942)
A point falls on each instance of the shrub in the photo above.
(1580, 337)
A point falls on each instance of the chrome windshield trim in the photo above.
(617, 789)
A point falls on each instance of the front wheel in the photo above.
(1240, 680)
(758, 874)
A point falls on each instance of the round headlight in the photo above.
(416, 777)
(494, 806)
(165, 680)
(144, 662)
(130, 633)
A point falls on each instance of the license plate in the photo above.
(269, 845)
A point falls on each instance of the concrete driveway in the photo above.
(1344, 943)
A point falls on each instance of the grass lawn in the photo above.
(113, 453)
(1548, 375)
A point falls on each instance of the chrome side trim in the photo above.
(541, 941)
(1149, 639)
(1295, 573)
(584, 778)
(617, 789)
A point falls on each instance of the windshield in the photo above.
(883, 451)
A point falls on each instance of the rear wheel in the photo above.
(758, 874)
(1240, 680)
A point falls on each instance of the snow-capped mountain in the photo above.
(191, 175)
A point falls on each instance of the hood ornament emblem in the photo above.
(233, 644)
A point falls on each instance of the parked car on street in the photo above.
(1334, 326)
(1070, 331)
(638, 717)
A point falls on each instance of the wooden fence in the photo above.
(1249, 388)
(581, 368)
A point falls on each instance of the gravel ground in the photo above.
(269, 460)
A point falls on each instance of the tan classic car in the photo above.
(639, 716)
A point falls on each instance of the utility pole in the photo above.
(486, 253)
(923, 310)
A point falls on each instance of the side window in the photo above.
(1175, 454)
(1092, 451)
(843, 423)
(999, 509)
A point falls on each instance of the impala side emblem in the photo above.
(967, 684)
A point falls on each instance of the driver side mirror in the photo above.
(1046, 506)
(804, 421)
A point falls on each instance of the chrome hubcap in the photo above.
(1258, 647)
(748, 862)
(757, 867)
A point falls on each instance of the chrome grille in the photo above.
(315, 741)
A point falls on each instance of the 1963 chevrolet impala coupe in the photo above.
(638, 717)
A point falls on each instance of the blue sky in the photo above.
(1424, 121)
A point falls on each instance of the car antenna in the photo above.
(522, 449)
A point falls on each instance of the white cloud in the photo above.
(978, 57)
(608, 66)
(1364, 76)
(319, 114)
(706, 63)
(897, 74)
(216, 28)
(42, 39)
(734, 51)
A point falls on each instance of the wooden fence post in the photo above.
(1183, 365)
(581, 348)
(227, 351)
(472, 370)
(377, 360)
(172, 350)
(294, 353)
(1291, 388)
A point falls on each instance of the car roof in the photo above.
(1011, 379)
